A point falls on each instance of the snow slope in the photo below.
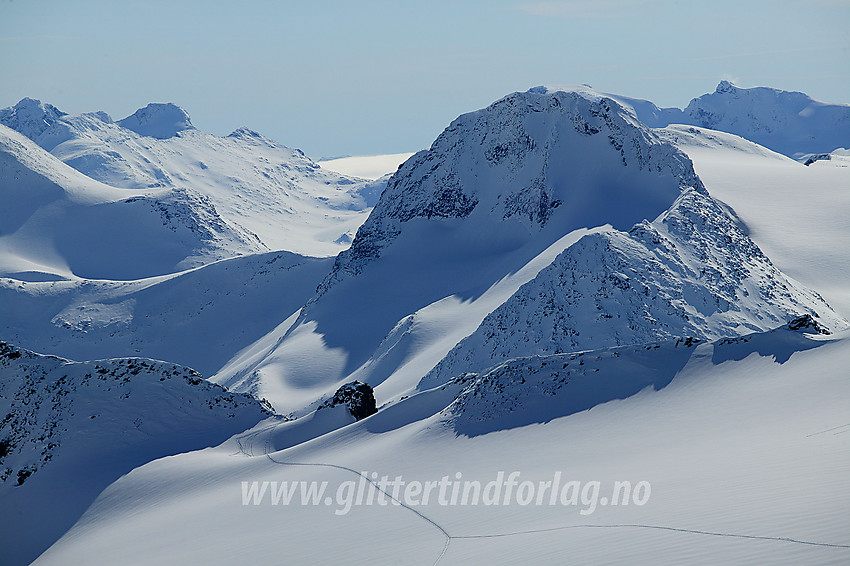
(796, 214)
(199, 318)
(70, 429)
(791, 123)
(459, 228)
(277, 193)
(57, 223)
(693, 272)
(550, 263)
(743, 443)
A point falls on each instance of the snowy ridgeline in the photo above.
(540, 388)
(71, 428)
(272, 196)
(693, 272)
(199, 318)
(52, 404)
(548, 254)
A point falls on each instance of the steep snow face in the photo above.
(458, 229)
(157, 120)
(694, 272)
(790, 123)
(54, 218)
(275, 192)
(70, 429)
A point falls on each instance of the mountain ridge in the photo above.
(276, 192)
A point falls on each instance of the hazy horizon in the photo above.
(335, 79)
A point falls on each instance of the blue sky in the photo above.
(336, 78)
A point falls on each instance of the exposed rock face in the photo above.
(527, 156)
(358, 397)
(806, 322)
(51, 405)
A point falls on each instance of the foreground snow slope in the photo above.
(56, 223)
(273, 191)
(70, 429)
(743, 441)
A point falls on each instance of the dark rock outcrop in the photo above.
(357, 396)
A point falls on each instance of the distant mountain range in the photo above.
(790, 123)
(275, 196)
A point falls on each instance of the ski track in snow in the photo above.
(846, 428)
(451, 537)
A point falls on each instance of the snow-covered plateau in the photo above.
(568, 290)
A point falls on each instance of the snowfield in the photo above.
(567, 297)
(366, 166)
(745, 448)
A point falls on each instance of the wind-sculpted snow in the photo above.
(273, 191)
(693, 272)
(70, 428)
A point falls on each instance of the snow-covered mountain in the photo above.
(692, 273)
(496, 198)
(70, 429)
(275, 192)
(565, 281)
(58, 223)
(791, 123)
(796, 214)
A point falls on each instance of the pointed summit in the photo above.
(30, 117)
(158, 120)
(724, 87)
